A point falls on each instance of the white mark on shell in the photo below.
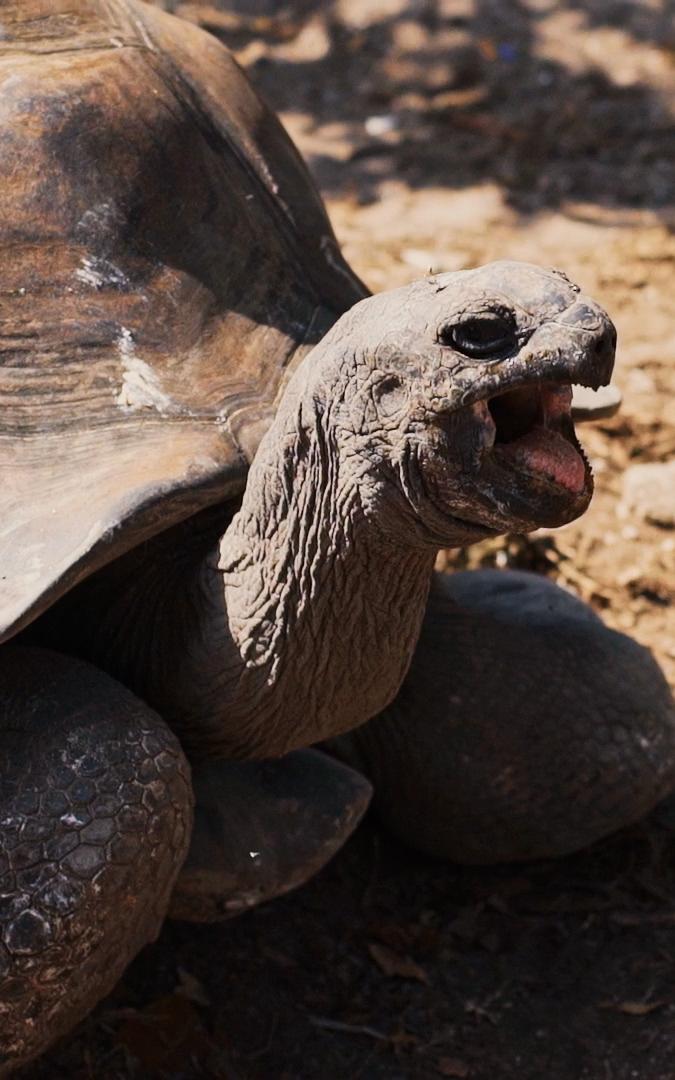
(244, 900)
(99, 272)
(143, 34)
(99, 217)
(140, 386)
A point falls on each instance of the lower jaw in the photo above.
(543, 504)
(547, 455)
(508, 494)
(519, 503)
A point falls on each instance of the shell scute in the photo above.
(164, 259)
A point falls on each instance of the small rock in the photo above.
(380, 125)
(597, 404)
(639, 382)
(649, 493)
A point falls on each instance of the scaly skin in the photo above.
(96, 810)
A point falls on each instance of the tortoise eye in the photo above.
(481, 337)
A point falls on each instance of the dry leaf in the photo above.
(167, 1032)
(191, 988)
(392, 963)
(403, 1039)
(395, 936)
(278, 957)
(452, 1067)
(633, 1008)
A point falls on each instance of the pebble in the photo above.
(380, 125)
(649, 493)
(597, 404)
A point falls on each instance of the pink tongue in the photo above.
(545, 451)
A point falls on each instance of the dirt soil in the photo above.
(445, 133)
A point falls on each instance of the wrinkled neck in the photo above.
(314, 615)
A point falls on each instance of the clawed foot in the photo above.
(263, 828)
(96, 812)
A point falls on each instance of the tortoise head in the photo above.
(457, 412)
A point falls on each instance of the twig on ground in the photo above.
(349, 1029)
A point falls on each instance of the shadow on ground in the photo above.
(439, 93)
(391, 966)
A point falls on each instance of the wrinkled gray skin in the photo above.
(298, 623)
(301, 621)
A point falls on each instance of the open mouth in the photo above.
(530, 428)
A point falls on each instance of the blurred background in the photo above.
(442, 134)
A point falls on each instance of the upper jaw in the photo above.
(519, 374)
(556, 353)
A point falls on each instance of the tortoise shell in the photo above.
(165, 260)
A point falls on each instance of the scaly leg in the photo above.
(263, 828)
(525, 728)
(95, 818)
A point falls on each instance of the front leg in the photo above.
(95, 818)
(263, 828)
(524, 729)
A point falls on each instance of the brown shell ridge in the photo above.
(154, 292)
(93, 25)
(194, 93)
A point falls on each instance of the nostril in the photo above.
(581, 315)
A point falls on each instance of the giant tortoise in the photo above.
(226, 474)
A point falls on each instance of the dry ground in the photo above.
(444, 133)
